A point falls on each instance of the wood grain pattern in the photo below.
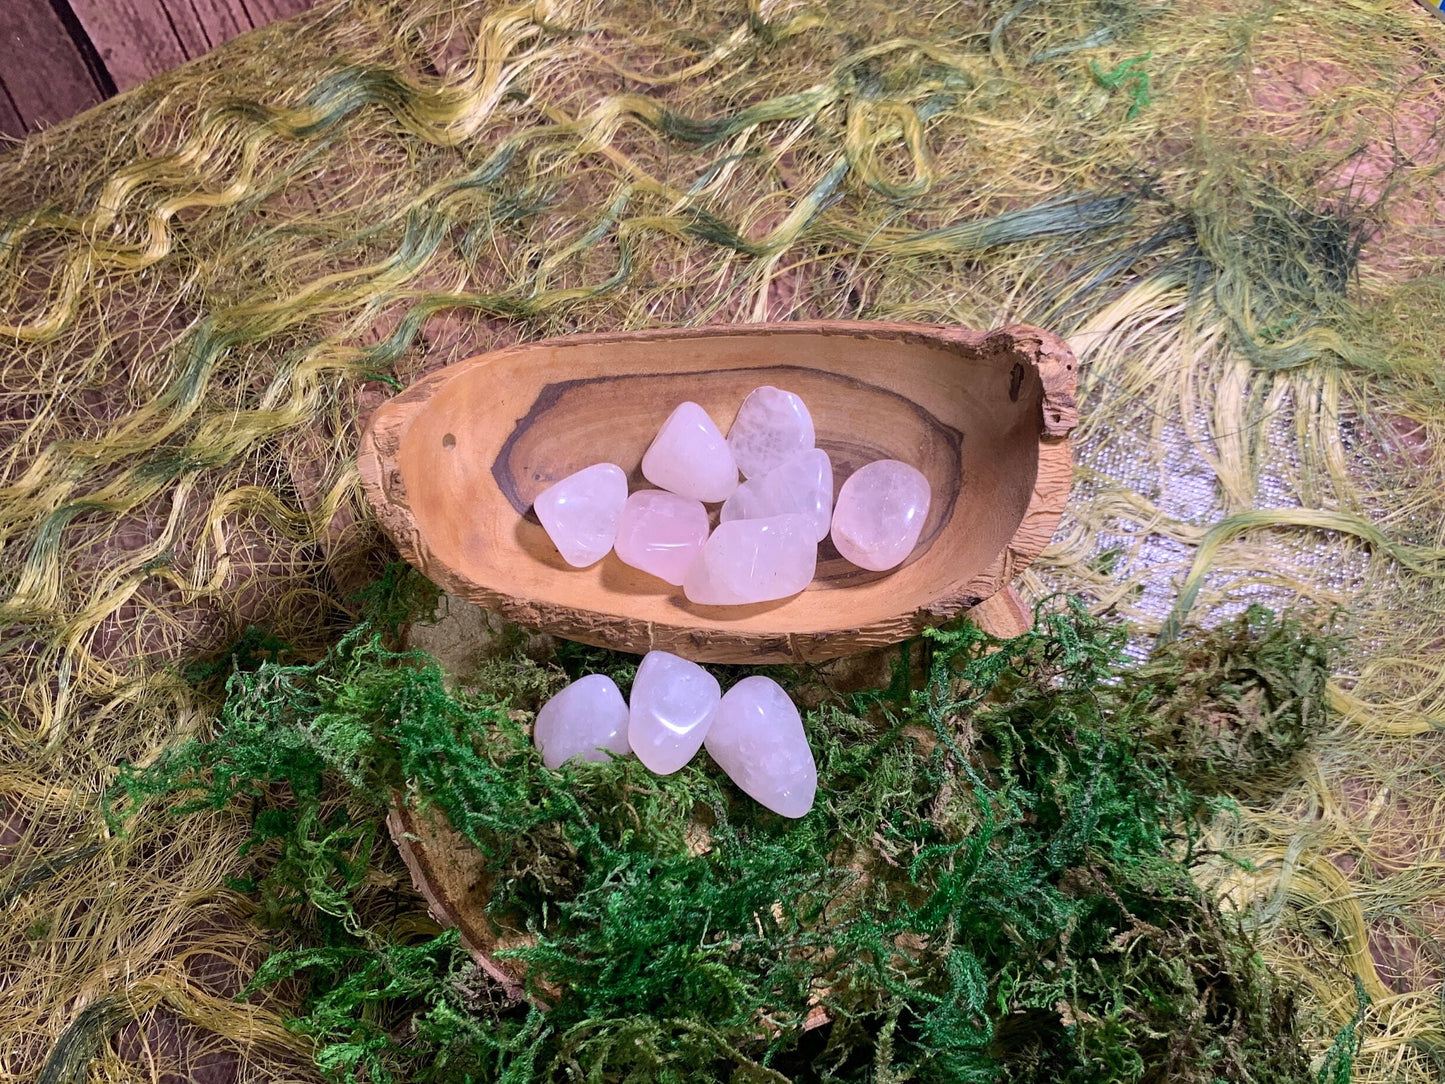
(1004, 615)
(217, 20)
(11, 123)
(132, 40)
(452, 877)
(44, 72)
(137, 39)
(450, 464)
(268, 11)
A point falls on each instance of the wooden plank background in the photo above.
(59, 57)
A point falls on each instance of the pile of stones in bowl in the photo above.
(765, 547)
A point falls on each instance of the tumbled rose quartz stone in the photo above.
(661, 533)
(673, 704)
(753, 560)
(584, 719)
(880, 514)
(802, 484)
(689, 457)
(772, 426)
(581, 512)
(757, 739)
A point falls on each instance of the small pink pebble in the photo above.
(661, 533)
(580, 513)
(880, 514)
(753, 560)
(689, 457)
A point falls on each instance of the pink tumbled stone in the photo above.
(802, 484)
(772, 426)
(753, 560)
(689, 457)
(588, 719)
(880, 514)
(673, 704)
(661, 533)
(581, 512)
(757, 738)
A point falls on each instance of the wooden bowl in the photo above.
(452, 464)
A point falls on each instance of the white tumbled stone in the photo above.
(801, 484)
(580, 513)
(772, 426)
(661, 533)
(673, 704)
(753, 560)
(757, 739)
(689, 457)
(880, 514)
(586, 720)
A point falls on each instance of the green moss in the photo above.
(994, 885)
(1233, 707)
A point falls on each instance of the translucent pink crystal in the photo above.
(880, 514)
(802, 484)
(757, 739)
(661, 533)
(753, 560)
(689, 457)
(584, 719)
(772, 426)
(673, 704)
(581, 512)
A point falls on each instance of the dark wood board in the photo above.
(60, 57)
(137, 39)
(10, 122)
(44, 73)
(268, 11)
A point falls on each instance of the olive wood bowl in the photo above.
(452, 464)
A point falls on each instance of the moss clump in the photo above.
(1233, 707)
(994, 886)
